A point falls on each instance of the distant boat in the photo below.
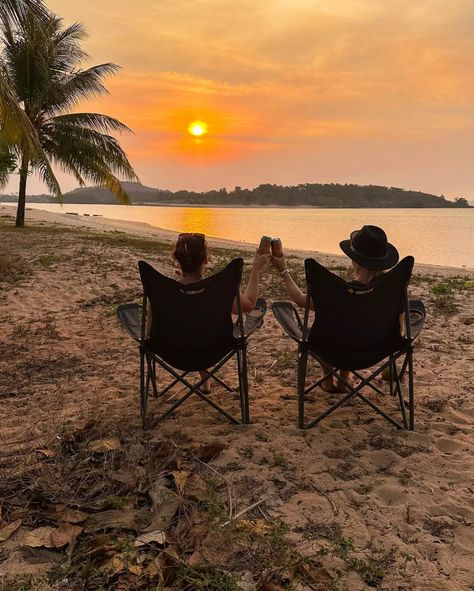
(71, 213)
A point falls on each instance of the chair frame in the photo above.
(148, 375)
(396, 376)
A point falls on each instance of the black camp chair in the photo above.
(354, 329)
(192, 330)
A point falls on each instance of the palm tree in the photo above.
(40, 67)
(14, 124)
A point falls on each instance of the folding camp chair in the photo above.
(192, 330)
(356, 328)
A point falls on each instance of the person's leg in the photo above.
(206, 387)
(333, 385)
(328, 383)
(339, 387)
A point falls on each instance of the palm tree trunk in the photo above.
(20, 212)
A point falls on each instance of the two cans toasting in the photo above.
(272, 245)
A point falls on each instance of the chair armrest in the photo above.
(129, 316)
(417, 317)
(252, 320)
(288, 318)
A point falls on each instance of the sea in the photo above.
(433, 236)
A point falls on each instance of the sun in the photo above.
(197, 128)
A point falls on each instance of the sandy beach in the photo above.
(352, 505)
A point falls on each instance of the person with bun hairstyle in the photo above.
(190, 253)
(371, 254)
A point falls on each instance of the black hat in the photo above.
(369, 248)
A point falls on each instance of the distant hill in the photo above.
(308, 194)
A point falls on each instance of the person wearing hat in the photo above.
(371, 254)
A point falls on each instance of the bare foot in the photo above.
(206, 386)
(327, 384)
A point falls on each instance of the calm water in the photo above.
(435, 236)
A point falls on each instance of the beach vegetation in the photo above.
(40, 66)
(445, 305)
(206, 578)
(12, 270)
(440, 288)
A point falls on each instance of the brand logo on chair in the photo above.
(360, 292)
(194, 292)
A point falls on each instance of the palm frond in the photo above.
(43, 167)
(16, 129)
(16, 10)
(7, 166)
(88, 153)
(78, 86)
(96, 121)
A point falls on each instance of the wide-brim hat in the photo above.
(369, 248)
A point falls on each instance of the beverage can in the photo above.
(265, 245)
(276, 246)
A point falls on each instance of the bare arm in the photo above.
(294, 291)
(248, 298)
(149, 320)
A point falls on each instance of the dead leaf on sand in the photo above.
(208, 452)
(157, 536)
(47, 453)
(37, 538)
(118, 564)
(180, 479)
(113, 519)
(197, 489)
(41, 555)
(104, 445)
(64, 535)
(7, 530)
(68, 515)
(257, 527)
(165, 504)
(129, 479)
(50, 537)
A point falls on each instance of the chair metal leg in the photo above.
(223, 384)
(243, 384)
(399, 392)
(411, 391)
(392, 367)
(151, 376)
(143, 388)
(302, 366)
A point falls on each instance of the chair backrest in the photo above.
(351, 318)
(189, 319)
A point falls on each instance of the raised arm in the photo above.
(293, 290)
(248, 298)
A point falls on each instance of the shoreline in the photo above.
(143, 229)
(236, 206)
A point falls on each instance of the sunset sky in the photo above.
(292, 91)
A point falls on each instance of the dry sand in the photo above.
(386, 509)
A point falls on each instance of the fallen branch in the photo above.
(246, 510)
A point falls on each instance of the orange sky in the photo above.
(293, 91)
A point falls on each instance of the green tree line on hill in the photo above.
(307, 194)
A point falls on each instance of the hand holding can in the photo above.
(265, 245)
